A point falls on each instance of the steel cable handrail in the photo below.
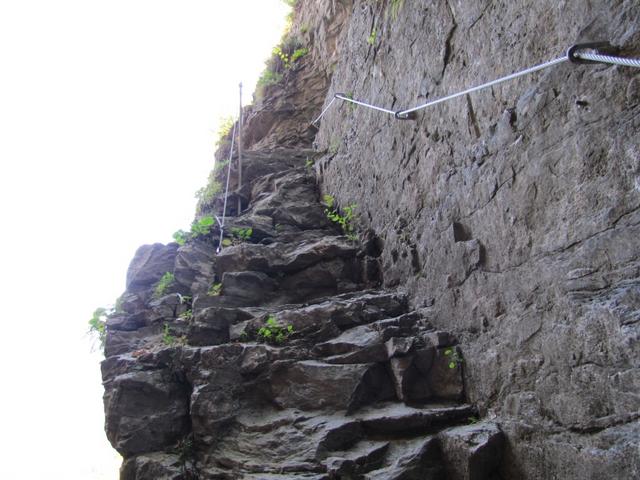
(602, 52)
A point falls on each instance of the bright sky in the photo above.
(108, 114)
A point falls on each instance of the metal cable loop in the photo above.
(226, 191)
(573, 54)
(597, 57)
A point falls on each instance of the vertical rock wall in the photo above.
(511, 214)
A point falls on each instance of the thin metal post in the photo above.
(240, 154)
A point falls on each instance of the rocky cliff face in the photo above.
(484, 325)
(512, 213)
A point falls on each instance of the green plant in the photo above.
(225, 126)
(299, 53)
(98, 324)
(215, 290)
(309, 163)
(181, 237)
(226, 242)
(454, 357)
(396, 5)
(199, 227)
(186, 315)
(202, 226)
(242, 234)
(163, 284)
(344, 219)
(167, 338)
(371, 39)
(268, 78)
(473, 420)
(271, 332)
(291, 3)
(208, 192)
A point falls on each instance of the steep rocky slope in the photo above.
(356, 386)
(508, 218)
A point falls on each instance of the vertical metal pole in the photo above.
(240, 153)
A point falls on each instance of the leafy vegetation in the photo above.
(167, 338)
(225, 127)
(242, 234)
(186, 315)
(208, 192)
(215, 290)
(271, 332)
(454, 358)
(371, 39)
(396, 5)
(344, 219)
(299, 53)
(98, 324)
(163, 284)
(199, 227)
(283, 57)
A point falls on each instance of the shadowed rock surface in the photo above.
(357, 379)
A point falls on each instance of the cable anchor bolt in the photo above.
(405, 116)
(602, 48)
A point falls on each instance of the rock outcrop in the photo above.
(485, 324)
(348, 382)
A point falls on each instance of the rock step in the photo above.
(215, 321)
(383, 441)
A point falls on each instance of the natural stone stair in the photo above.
(362, 388)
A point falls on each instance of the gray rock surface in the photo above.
(511, 214)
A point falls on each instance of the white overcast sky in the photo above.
(108, 114)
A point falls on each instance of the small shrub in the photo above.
(163, 284)
(208, 192)
(344, 219)
(181, 237)
(454, 358)
(225, 127)
(167, 338)
(242, 234)
(202, 226)
(215, 290)
(186, 315)
(271, 332)
(299, 53)
(199, 227)
(98, 325)
(371, 39)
